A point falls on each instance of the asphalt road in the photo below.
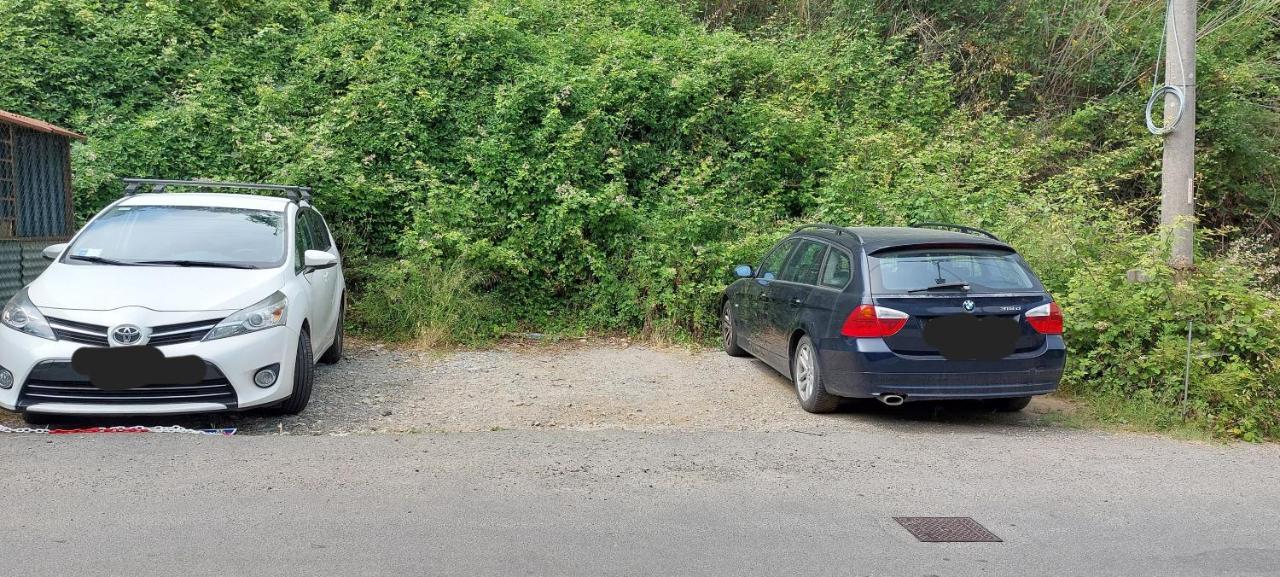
(547, 502)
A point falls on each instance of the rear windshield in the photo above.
(928, 270)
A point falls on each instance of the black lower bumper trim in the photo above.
(58, 382)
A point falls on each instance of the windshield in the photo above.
(182, 235)
(981, 270)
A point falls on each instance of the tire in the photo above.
(303, 378)
(728, 335)
(1011, 404)
(806, 373)
(334, 355)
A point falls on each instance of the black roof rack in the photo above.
(838, 229)
(297, 194)
(957, 227)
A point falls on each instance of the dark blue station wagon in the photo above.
(930, 312)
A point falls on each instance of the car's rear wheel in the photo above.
(807, 375)
(729, 335)
(303, 377)
(1011, 404)
(334, 354)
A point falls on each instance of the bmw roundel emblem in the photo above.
(968, 305)
(126, 335)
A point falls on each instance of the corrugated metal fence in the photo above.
(20, 263)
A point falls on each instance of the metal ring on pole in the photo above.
(1151, 102)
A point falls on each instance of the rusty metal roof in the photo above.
(40, 125)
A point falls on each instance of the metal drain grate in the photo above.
(947, 529)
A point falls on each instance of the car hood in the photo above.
(159, 288)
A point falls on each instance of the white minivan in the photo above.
(170, 303)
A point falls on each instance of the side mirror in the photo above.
(743, 271)
(53, 251)
(318, 260)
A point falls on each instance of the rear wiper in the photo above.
(940, 286)
(194, 263)
(101, 260)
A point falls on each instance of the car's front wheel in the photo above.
(303, 376)
(807, 375)
(728, 334)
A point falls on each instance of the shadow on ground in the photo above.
(593, 386)
(909, 415)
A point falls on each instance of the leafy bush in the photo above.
(601, 164)
(1129, 340)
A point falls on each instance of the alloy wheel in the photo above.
(804, 370)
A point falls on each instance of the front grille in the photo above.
(181, 333)
(57, 382)
(76, 332)
(162, 335)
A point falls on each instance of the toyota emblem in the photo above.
(968, 305)
(127, 335)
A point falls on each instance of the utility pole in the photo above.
(1177, 183)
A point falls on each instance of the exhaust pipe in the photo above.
(892, 400)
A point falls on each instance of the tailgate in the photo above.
(910, 340)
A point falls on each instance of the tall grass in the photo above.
(431, 303)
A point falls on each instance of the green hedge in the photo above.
(499, 165)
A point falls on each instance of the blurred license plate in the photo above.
(969, 337)
(122, 368)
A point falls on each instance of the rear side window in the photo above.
(837, 270)
(805, 263)
(985, 270)
(772, 266)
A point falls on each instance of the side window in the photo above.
(837, 271)
(301, 239)
(319, 232)
(772, 265)
(804, 264)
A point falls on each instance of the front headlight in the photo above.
(20, 315)
(267, 313)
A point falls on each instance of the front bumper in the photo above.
(867, 368)
(235, 358)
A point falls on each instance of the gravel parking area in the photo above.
(580, 385)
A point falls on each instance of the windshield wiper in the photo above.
(940, 286)
(101, 260)
(195, 263)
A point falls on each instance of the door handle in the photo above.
(795, 303)
(764, 296)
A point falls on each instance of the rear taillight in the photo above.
(1046, 319)
(869, 321)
